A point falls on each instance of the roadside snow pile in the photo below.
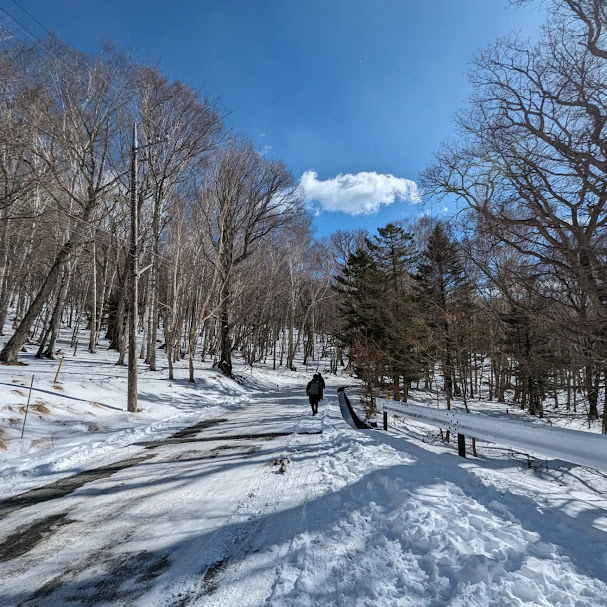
(404, 526)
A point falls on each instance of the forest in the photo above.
(504, 301)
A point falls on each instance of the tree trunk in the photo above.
(191, 367)
(396, 386)
(46, 327)
(58, 312)
(93, 325)
(169, 353)
(154, 315)
(4, 272)
(225, 363)
(8, 355)
(592, 391)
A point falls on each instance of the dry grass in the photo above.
(40, 443)
(98, 405)
(18, 392)
(41, 408)
(3, 440)
(13, 421)
(58, 387)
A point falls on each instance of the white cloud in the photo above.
(360, 194)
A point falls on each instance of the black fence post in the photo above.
(385, 420)
(461, 445)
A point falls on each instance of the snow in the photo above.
(356, 518)
(82, 418)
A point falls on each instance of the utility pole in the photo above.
(131, 403)
(134, 281)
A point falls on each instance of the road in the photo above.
(160, 527)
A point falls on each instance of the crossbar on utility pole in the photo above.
(134, 282)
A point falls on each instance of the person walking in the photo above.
(321, 379)
(314, 393)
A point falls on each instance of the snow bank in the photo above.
(400, 525)
(582, 448)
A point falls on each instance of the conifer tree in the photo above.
(439, 276)
(360, 290)
(395, 254)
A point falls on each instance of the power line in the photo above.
(31, 16)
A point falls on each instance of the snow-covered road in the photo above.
(358, 518)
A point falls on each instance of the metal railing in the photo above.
(348, 412)
(575, 446)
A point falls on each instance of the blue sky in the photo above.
(365, 89)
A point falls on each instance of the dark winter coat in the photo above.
(314, 398)
(322, 381)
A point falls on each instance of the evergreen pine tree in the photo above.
(439, 276)
(395, 254)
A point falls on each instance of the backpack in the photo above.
(314, 388)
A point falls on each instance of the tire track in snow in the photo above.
(238, 537)
(266, 566)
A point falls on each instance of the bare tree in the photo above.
(78, 154)
(181, 129)
(532, 160)
(249, 197)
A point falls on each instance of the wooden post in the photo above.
(27, 406)
(58, 369)
(461, 445)
(385, 420)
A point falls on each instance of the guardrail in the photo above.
(575, 446)
(347, 412)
